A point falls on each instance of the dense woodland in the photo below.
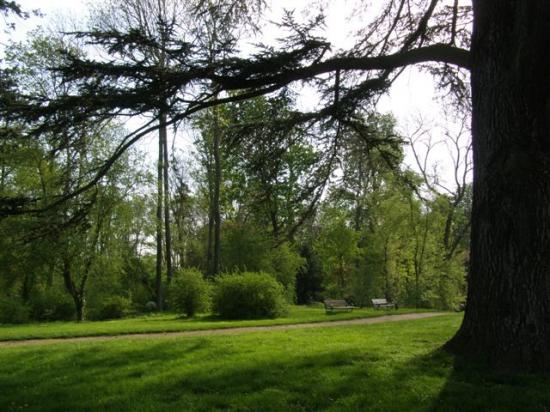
(318, 200)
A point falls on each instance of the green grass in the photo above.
(395, 366)
(174, 323)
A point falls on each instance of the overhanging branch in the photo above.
(438, 53)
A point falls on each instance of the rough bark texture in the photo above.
(507, 317)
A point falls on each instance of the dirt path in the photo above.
(226, 331)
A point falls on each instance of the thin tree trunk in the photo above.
(387, 293)
(274, 224)
(216, 214)
(358, 220)
(449, 220)
(215, 217)
(158, 282)
(80, 309)
(76, 295)
(210, 245)
(3, 175)
(419, 260)
(167, 232)
(507, 318)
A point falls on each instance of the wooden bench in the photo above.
(382, 304)
(332, 305)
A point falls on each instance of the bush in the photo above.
(150, 306)
(50, 304)
(248, 295)
(113, 307)
(189, 292)
(13, 310)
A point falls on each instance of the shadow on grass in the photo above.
(472, 387)
(200, 375)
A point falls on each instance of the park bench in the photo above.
(332, 305)
(382, 304)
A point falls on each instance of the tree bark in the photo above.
(507, 318)
(76, 295)
(163, 135)
(210, 245)
(214, 187)
(80, 308)
(158, 280)
(216, 206)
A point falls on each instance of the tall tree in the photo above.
(217, 26)
(454, 196)
(509, 281)
(184, 210)
(276, 175)
(161, 20)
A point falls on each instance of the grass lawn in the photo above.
(173, 323)
(395, 366)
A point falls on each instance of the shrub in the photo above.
(189, 292)
(113, 307)
(248, 295)
(150, 306)
(51, 304)
(13, 310)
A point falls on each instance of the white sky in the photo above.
(413, 93)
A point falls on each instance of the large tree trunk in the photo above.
(507, 317)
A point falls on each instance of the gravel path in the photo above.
(226, 331)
